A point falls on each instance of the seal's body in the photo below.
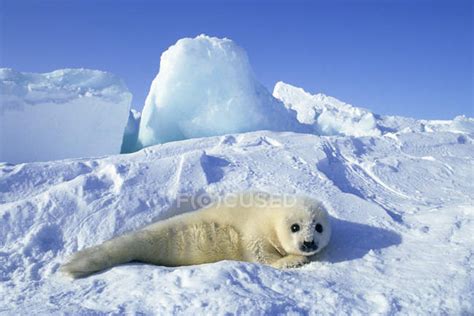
(250, 227)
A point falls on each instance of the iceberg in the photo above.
(66, 113)
(206, 87)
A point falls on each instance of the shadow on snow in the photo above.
(352, 240)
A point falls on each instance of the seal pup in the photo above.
(278, 230)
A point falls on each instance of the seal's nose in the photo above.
(309, 246)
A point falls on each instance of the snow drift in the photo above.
(206, 87)
(328, 115)
(62, 114)
(402, 218)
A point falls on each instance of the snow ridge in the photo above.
(328, 115)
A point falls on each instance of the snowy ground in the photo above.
(402, 216)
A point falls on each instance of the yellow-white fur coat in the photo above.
(259, 230)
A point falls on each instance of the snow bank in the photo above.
(460, 124)
(402, 218)
(62, 114)
(206, 87)
(328, 115)
(463, 124)
(130, 136)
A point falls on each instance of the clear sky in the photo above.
(407, 57)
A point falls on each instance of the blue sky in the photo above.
(411, 58)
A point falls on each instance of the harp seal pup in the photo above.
(253, 227)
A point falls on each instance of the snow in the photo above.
(402, 216)
(328, 115)
(462, 123)
(62, 114)
(206, 87)
(459, 124)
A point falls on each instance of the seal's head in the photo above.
(305, 228)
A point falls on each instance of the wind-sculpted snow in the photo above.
(206, 87)
(401, 207)
(62, 114)
(327, 115)
(330, 116)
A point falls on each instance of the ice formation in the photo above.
(62, 114)
(328, 115)
(460, 124)
(463, 123)
(130, 136)
(206, 87)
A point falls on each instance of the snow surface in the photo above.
(459, 124)
(402, 215)
(62, 114)
(206, 87)
(328, 115)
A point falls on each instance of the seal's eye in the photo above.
(319, 228)
(295, 228)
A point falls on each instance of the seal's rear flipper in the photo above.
(98, 258)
